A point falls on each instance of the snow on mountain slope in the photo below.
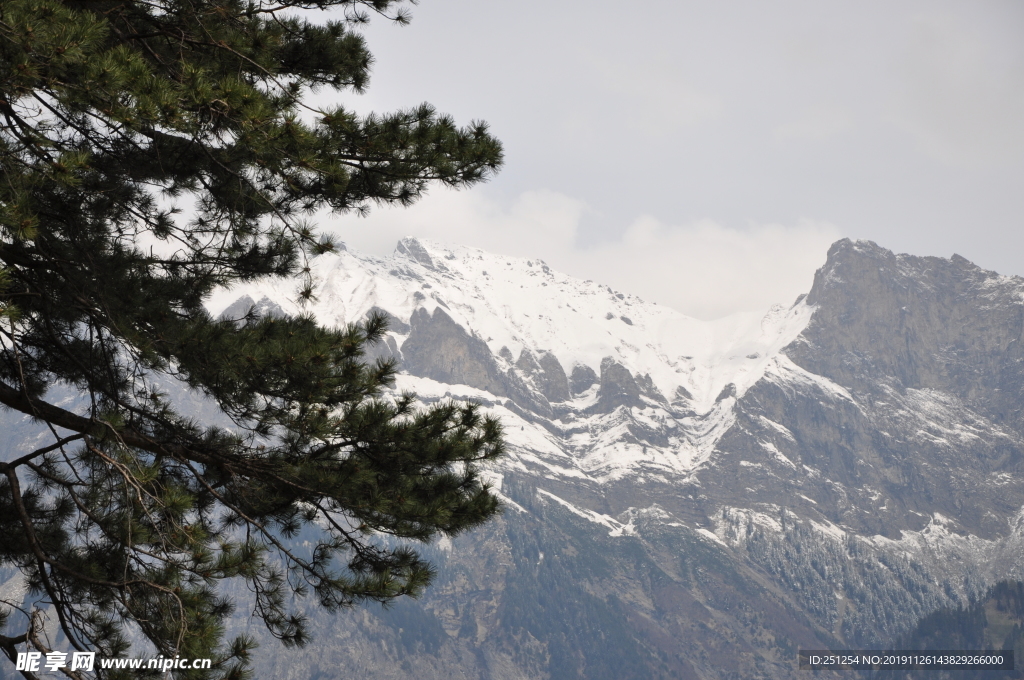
(516, 304)
(520, 303)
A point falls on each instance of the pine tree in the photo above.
(153, 151)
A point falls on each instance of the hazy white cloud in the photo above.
(535, 223)
(703, 269)
(708, 270)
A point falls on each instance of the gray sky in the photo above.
(704, 154)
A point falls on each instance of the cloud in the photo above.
(535, 221)
(708, 270)
(703, 269)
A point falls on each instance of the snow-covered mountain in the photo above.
(553, 355)
(695, 499)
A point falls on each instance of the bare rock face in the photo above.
(618, 388)
(921, 323)
(440, 349)
(415, 250)
(554, 384)
(546, 373)
(583, 378)
(649, 389)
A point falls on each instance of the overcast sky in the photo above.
(703, 155)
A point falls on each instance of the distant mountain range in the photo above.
(689, 499)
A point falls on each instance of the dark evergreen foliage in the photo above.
(151, 152)
(994, 622)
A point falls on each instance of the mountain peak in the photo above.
(911, 321)
(413, 248)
